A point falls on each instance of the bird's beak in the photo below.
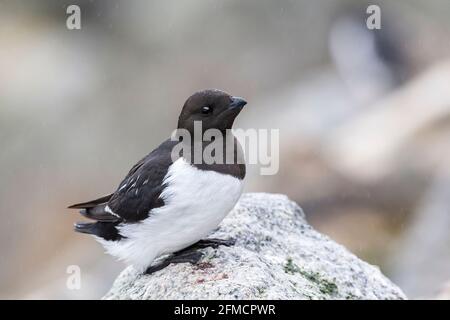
(237, 103)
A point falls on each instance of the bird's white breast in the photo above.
(196, 201)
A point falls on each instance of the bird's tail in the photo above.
(105, 230)
(99, 213)
(96, 210)
(86, 227)
(106, 221)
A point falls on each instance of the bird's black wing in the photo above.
(92, 203)
(140, 191)
(136, 195)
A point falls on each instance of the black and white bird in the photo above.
(167, 206)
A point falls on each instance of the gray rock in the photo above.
(277, 255)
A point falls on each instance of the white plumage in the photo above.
(196, 201)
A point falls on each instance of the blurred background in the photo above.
(364, 120)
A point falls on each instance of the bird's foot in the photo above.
(189, 256)
(191, 253)
(213, 243)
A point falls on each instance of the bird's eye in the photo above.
(206, 110)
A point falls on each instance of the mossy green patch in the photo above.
(350, 296)
(325, 286)
(261, 291)
(291, 267)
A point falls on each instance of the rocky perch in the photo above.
(277, 255)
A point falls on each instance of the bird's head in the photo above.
(215, 109)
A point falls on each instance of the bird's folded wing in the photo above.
(137, 194)
(140, 191)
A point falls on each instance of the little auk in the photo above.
(166, 206)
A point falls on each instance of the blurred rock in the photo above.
(421, 261)
(277, 255)
(376, 138)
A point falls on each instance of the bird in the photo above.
(166, 206)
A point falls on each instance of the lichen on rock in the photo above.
(277, 255)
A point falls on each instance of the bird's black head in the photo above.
(214, 108)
